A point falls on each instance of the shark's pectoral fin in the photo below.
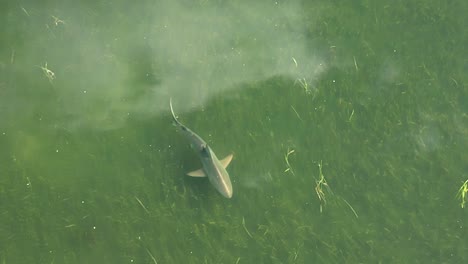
(197, 173)
(225, 162)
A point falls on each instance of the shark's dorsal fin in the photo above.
(205, 152)
(197, 173)
(225, 162)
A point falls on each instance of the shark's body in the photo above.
(213, 168)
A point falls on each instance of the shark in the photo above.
(212, 168)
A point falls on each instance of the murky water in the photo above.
(347, 123)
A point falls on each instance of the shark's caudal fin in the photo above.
(200, 173)
(174, 117)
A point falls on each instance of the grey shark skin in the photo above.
(213, 168)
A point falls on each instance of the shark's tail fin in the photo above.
(175, 122)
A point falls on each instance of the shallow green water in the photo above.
(373, 94)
